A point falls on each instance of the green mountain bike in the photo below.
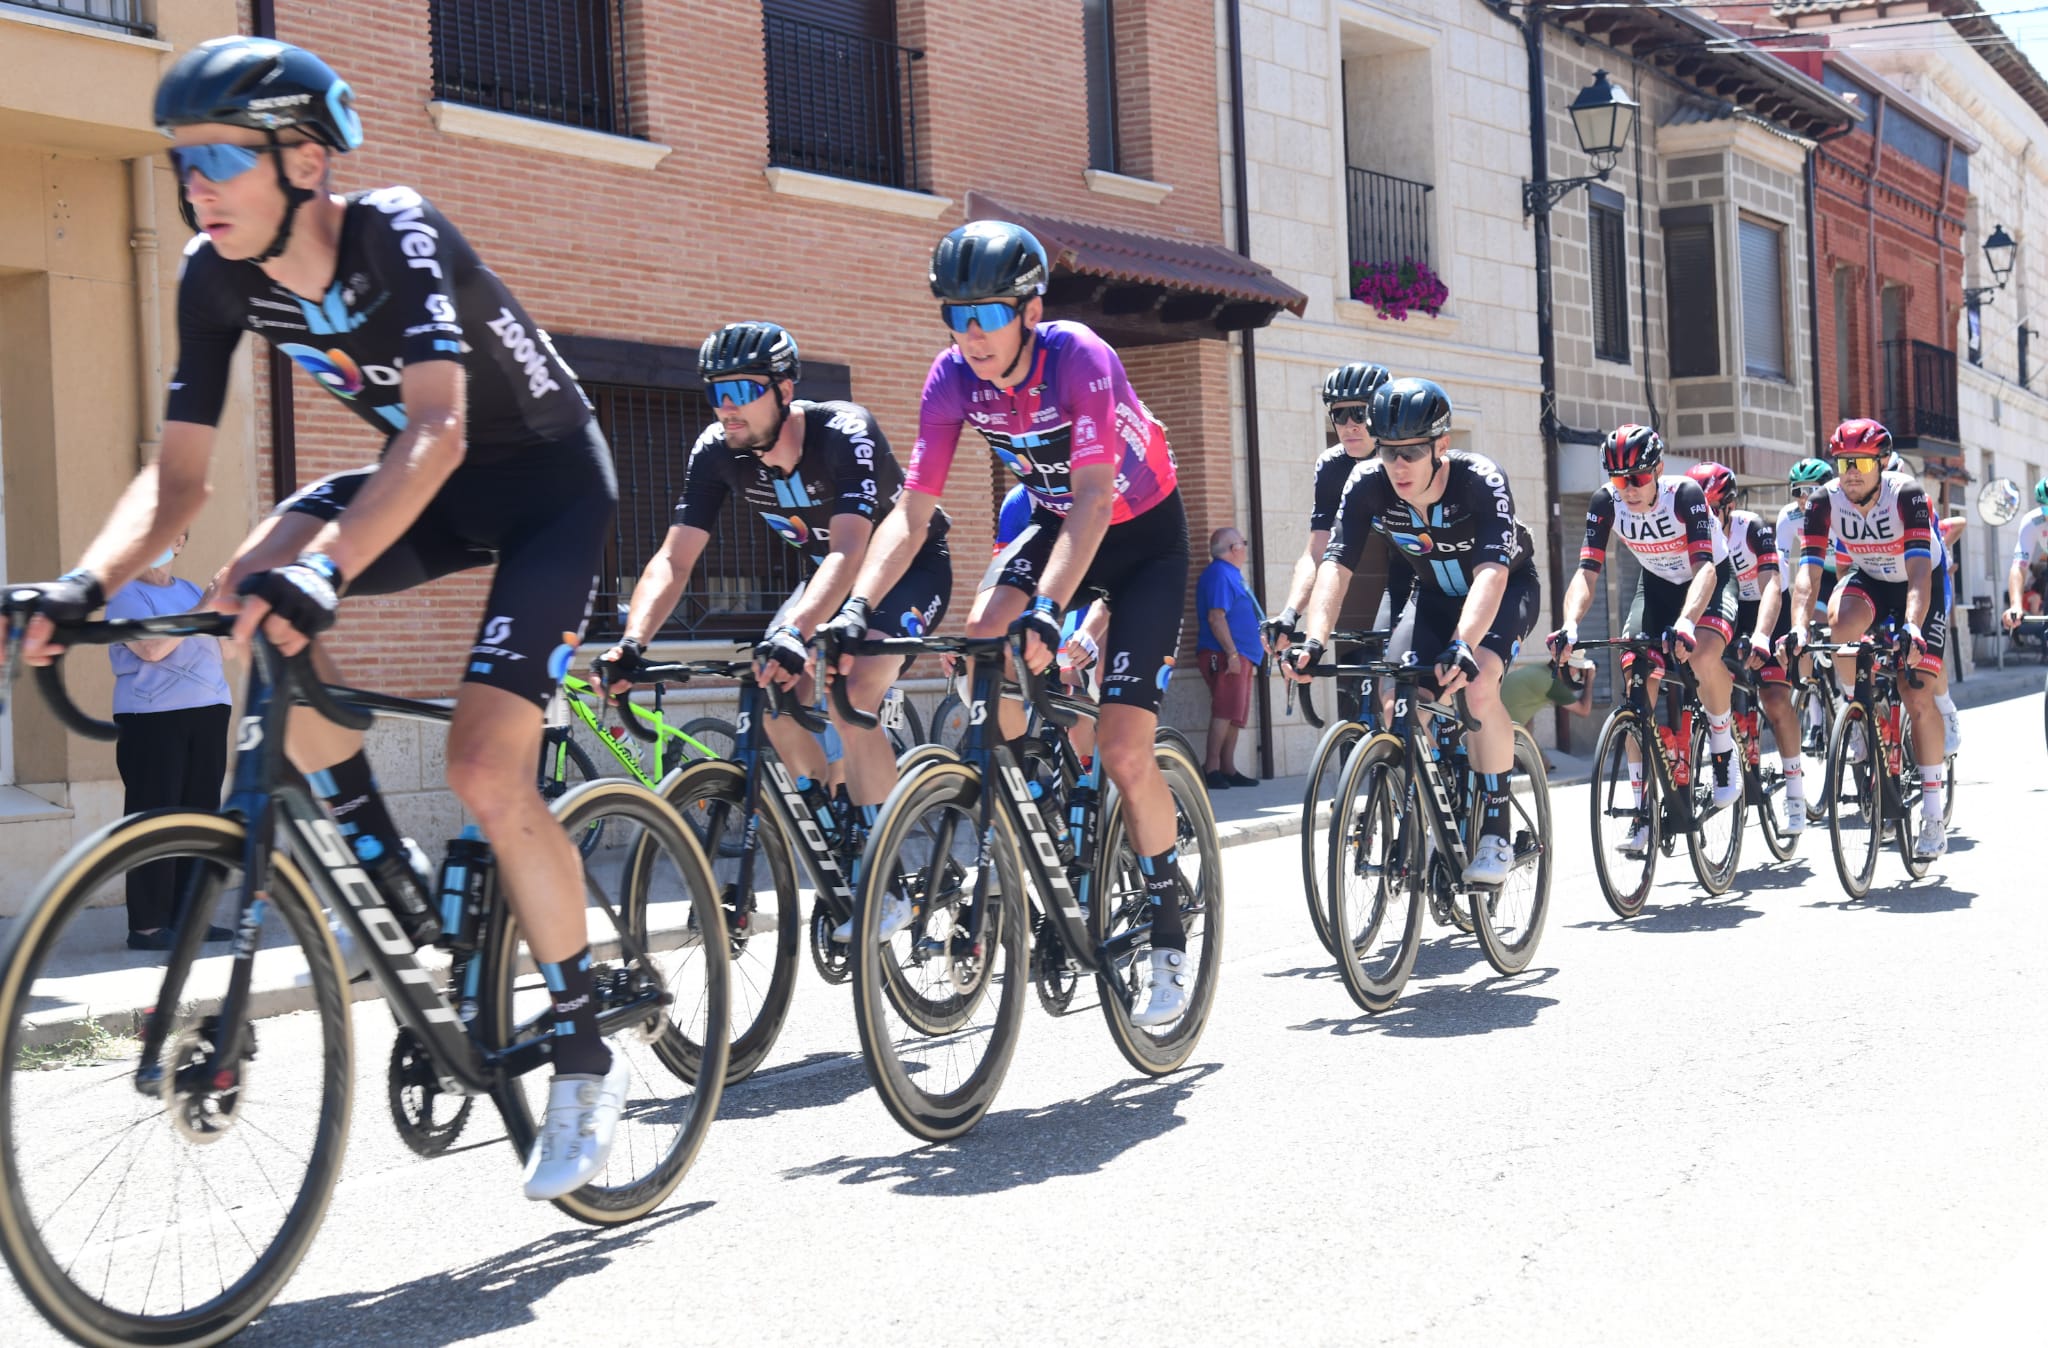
(565, 763)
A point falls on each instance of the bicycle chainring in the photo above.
(427, 1123)
(832, 958)
(1052, 973)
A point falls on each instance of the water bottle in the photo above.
(820, 806)
(465, 890)
(1676, 750)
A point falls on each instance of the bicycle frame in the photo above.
(574, 695)
(1636, 700)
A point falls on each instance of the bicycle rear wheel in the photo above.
(565, 765)
(1714, 842)
(763, 927)
(949, 722)
(1816, 720)
(1374, 881)
(683, 956)
(173, 1217)
(1910, 796)
(1856, 811)
(713, 735)
(1318, 821)
(1510, 920)
(961, 965)
(1120, 902)
(1627, 821)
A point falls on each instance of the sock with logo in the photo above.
(1795, 777)
(1635, 782)
(577, 1047)
(1162, 883)
(1930, 792)
(1720, 738)
(1493, 799)
(350, 790)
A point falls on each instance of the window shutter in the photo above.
(1609, 258)
(1763, 301)
(1690, 287)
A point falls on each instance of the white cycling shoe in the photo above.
(1726, 792)
(1933, 839)
(1491, 861)
(1637, 843)
(576, 1136)
(1169, 993)
(1795, 815)
(895, 917)
(1952, 724)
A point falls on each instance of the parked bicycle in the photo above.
(156, 1185)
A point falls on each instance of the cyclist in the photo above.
(1453, 516)
(1761, 616)
(2032, 542)
(491, 455)
(1687, 589)
(822, 475)
(1054, 404)
(1898, 570)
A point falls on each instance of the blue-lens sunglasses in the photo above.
(991, 314)
(738, 392)
(215, 163)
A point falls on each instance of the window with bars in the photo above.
(1763, 298)
(1608, 241)
(1690, 291)
(552, 60)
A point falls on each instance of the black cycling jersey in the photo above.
(1333, 469)
(407, 288)
(846, 468)
(1472, 524)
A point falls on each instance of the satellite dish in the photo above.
(1999, 502)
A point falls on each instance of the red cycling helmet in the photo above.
(1860, 436)
(1717, 481)
(1631, 449)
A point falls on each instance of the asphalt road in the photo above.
(1771, 1117)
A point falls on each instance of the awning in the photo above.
(1144, 288)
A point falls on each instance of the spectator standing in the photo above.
(171, 701)
(1230, 650)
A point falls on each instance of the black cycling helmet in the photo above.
(1354, 383)
(1409, 409)
(989, 260)
(1631, 449)
(765, 349)
(261, 84)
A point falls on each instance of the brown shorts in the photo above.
(1230, 695)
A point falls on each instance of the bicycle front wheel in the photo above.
(1318, 821)
(1374, 880)
(1510, 920)
(1856, 811)
(677, 966)
(1714, 841)
(565, 765)
(1911, 796)
(960, 966)
(172, 1217)
(1816, 719)
(1627, 823)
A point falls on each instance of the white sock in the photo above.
(1719, 740)
(1930, 792)
(1795, 777)
(1946, 703)
(1635, 780)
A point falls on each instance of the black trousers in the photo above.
(168, 758)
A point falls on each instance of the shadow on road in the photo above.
(1924, 896)
(1703, 914)
(813, 1082)
(494, 1295)
(1305, 971)
(1013, 1148)
(1448, 1010)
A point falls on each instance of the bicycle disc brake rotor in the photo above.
(415, 1094)
(203, 1113)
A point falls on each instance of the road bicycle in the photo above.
(1015, 872)
(1401, 834)
(1653, 783)
(1325, 772)
(1871, 763)
(1763, 779)
(165, 1159)
(565, 763)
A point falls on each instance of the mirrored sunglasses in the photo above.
(1621, 480)
(1857, 463)
(1356, 415)
(215, 163)
(1407, 451)
(738, 392)
(991, 314)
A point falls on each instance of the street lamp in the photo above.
(1998, 251)
(1602, 117)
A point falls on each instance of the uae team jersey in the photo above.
(407, 288)
(846, 468)
(1471, 525)
(1879, 538)
(1669, 539)
(1074, 409)
(1751, 548)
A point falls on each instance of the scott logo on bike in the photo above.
(1041, 841)
(327, 844)
(814, 837)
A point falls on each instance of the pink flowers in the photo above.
(1393, 289)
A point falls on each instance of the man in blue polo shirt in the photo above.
(1229, 649)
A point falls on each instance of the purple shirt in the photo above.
(190, 676)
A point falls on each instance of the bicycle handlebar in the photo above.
(1035, 687)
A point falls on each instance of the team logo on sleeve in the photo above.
(332, 369)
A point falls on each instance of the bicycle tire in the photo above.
(1326, 766)
(1910, 792)
(1376, 837)
(713, 733)
(1175, 736)
(1768, 786)
(919, 754)
(1867, 801)
(51, 1283)
(1119, 898)
(652, 1102)
(1509, 950)
(1714, 866)
(1811, 700)
(895, 1063)
(1611, 785)
(759, 1005)
(557, 760)
(949, 722)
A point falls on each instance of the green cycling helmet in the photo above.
(2041, 493)
(1812, 473)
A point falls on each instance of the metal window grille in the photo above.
(1920, 389)
(1389, 217)
(551, 60)
(1610, 282)
(747, 570)
(126, 16)
(841, 103)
